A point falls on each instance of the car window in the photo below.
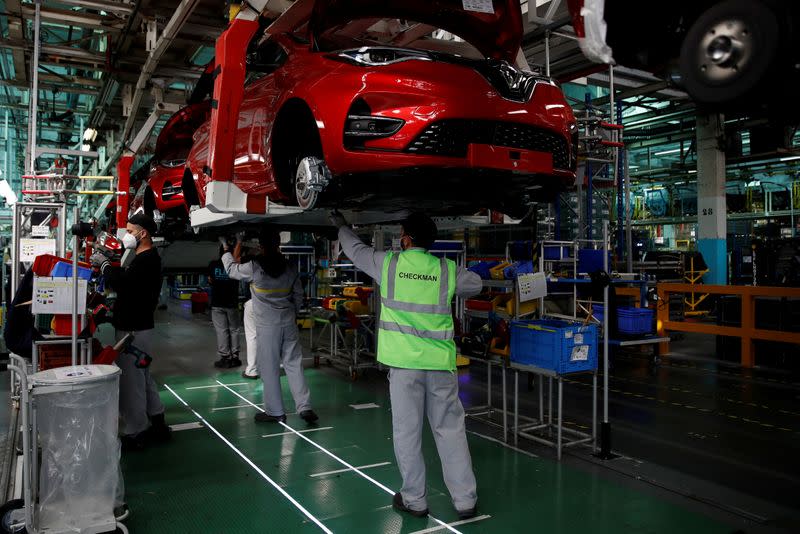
(264, 59)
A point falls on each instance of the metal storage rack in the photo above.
(545, 421)
(357, 357)
(304, 259)
(361, 354)
(486, 412)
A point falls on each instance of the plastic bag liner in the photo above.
(77, 426)
(594, 44)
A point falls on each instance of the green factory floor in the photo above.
(223, 475)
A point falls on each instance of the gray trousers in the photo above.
(250, 328)
(228, 327)
(415, 394)
(278, 344)
(138, 394)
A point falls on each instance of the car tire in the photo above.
(190, 196)
(729, 51)
(295, 139)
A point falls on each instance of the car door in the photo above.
(252, 168)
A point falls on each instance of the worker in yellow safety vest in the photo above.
(415, 340)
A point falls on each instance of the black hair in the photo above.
(271, 259)
(421, 229)
(146, 222)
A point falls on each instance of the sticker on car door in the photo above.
(478, 6)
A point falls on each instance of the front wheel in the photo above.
(311, 179)
(729, 50)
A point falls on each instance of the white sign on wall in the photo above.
(40, 230)
(54, 295)
(30, 248)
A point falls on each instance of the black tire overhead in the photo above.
(762, 34)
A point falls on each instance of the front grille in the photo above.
(452, 137)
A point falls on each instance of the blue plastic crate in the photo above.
(591, 260)
(63, 269)
(482, 269)
(629, 320)
(557, 252)
(561, 346)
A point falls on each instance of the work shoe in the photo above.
(469, 513)
(251, 377)
(122, 512)
(235, 362)
(308, 416)
(399, 505)
(263, 417)
(223, 363)
(133, 443)
(159, 431)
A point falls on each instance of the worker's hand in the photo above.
(99, 261)
(224, 242)
(240, 236)
(337, 219)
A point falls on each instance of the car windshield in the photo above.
(394, 33)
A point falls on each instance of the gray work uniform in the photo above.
(417, 393)
(250, 328)
(138, 393)
(228, 327)
(275, 302)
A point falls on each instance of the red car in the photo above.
(365, 109)
(160, 193)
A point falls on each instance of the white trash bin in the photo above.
(75, 415)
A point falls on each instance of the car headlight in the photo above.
(375, 56)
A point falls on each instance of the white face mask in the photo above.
(129, 241)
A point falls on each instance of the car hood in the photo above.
(494, 27)
(176, 135)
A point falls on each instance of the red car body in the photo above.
(160, 192)
(398, 126)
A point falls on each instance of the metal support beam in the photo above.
(33, 114)
(711, 202)
(122, 8)
(176, 22)
(64, 152)
(16, 31)
(144, 132)
(123, 189)
(78, 19)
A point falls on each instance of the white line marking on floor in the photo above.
(364, 406)
(456, 523)
(352, 468)
(185, 426)
(250, 462)
(287, 433)
(230, 407)
(217, 385)
(348, 470)
(506, 445)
